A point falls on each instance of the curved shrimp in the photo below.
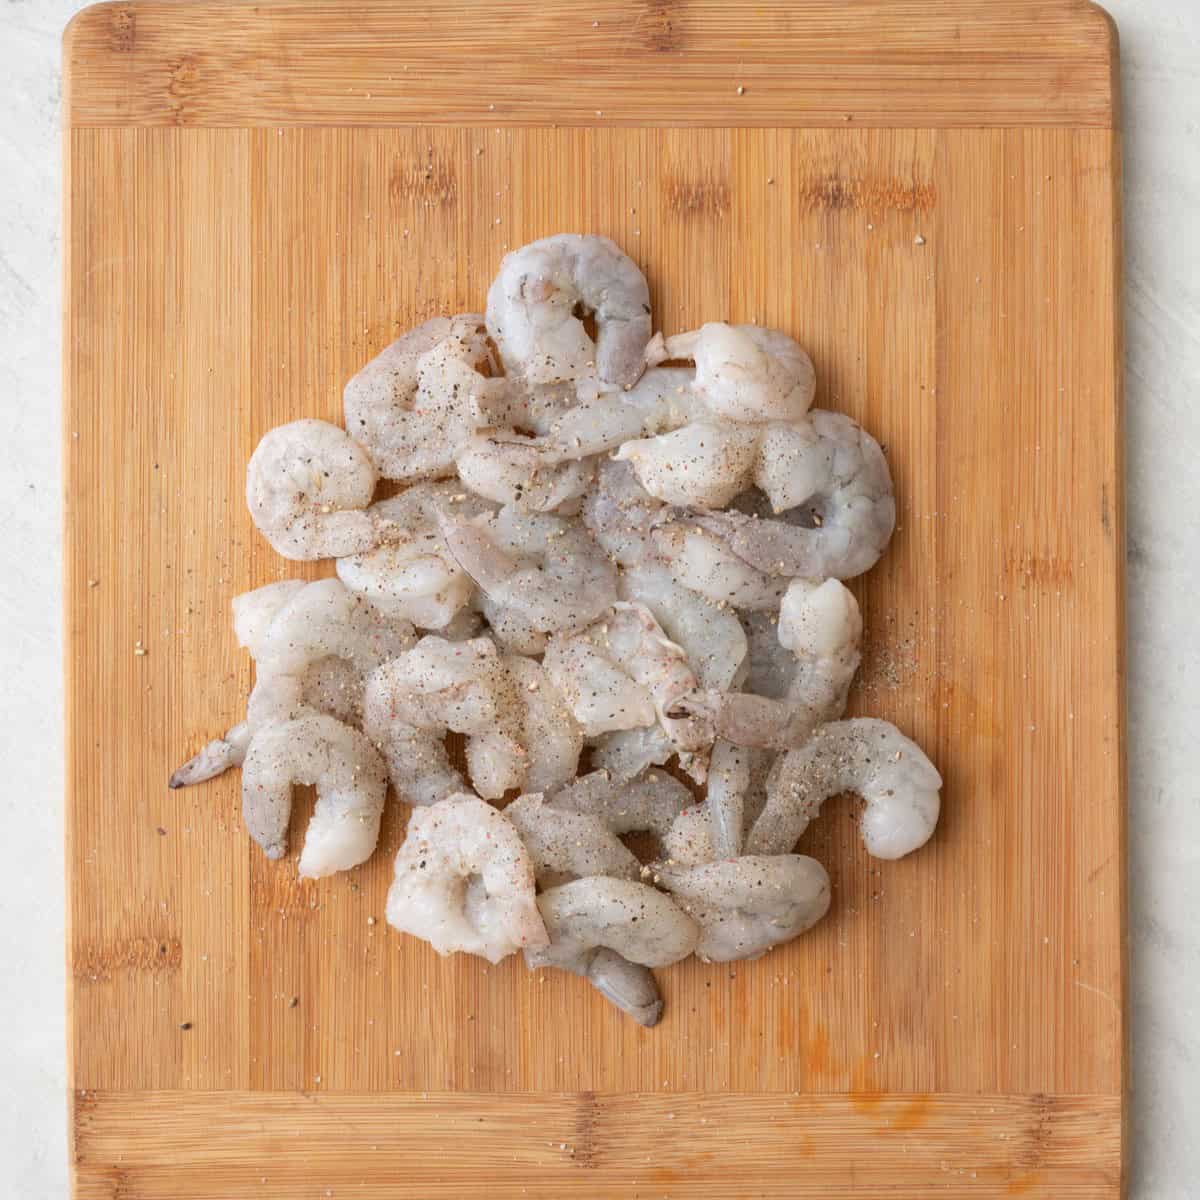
(649, 803)
(545, 570)
(744, 906)
(630, 919)
(829, 475)
(620, 514)
(351, 783)
(871, 757)
(307, 486)
(820, 629)
(532, 305)
(568, 845)
(748, 373)
(512, 469)
(549, 735)
(626, 753)
(705, 463)
(464, 882)
(415, 401)
(702, 561)
(411, 572)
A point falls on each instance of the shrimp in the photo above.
(705, 463)
(744, 906)
(351, 783)
(626, 753)
(728, 779)
(871, 757)
(747, 373)
(649, 803)
(464, 882)
(711, 635)
(701, 561)
(630, 919)
(630, 986)
(411, 573)
(413, 404)
(624, 673)
(568, 845)
(620, 514)
(511, 469)
(545, 570)
(545, 729)
(307, 486)
(831, 477)
(254, 611)
(820, 628)
(532, 305)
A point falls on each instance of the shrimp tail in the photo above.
(213, 759)
(630, 986)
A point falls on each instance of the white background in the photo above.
(1161, 77)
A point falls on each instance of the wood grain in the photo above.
(195, 1144)
(604, 62)
(958, 290)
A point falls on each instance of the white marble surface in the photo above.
(1161, 76)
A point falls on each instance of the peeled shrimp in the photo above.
(464, 882)
(825, 471)
(411, 573)
(705, 463)
(744, 906)
(544, 727)
(702, 561)
(511, 469)
(545, 570)
(351, 783)
(254, 611)
(568, 845)
(413, 404)
(626, 753)
(819, 629)
(871, 757)
(630, 919)
(620, 514)
(651, 802)
(746, 372)
(532, 304)
(307, 485)
(690, 839)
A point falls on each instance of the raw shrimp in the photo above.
(705, 463)
(631, 919)
(546, 730)
(702, 561)
(711, 635)
(254, 611)
(819, 629)
(351, 783)
(746, 372)
(414, 403)
(464, 882)
(620, 514)
(307, 486)
(744, 906)
(532, 305)
(630, 986)
(649, 803)
(626, 753)
(411, 573)
(728, 779)
(829, 475)
(512, 469)
(545, 570)
(871, 757)
(567, 845)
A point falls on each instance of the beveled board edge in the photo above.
(898, 63)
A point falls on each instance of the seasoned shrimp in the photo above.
(545, 729)
(728, 780)
(351, 783)
(820, 629)
(512, 469)
(307, 486)
(626, 753)
(545, 570)
(532, 305)
(830, 476)
(411, 573)
(464, 882)
(871, 757)
(413, 404)
(651, 802)
(620, 514)
(705, 463)
(703, 562)
(744, 906)
(254, 611)
(746, 372)
(568, 845)
(711, 635)
(631, 919)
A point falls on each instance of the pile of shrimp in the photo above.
(597, 566)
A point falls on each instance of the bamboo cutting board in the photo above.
(260, 197)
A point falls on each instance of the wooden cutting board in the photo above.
(261, 196)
